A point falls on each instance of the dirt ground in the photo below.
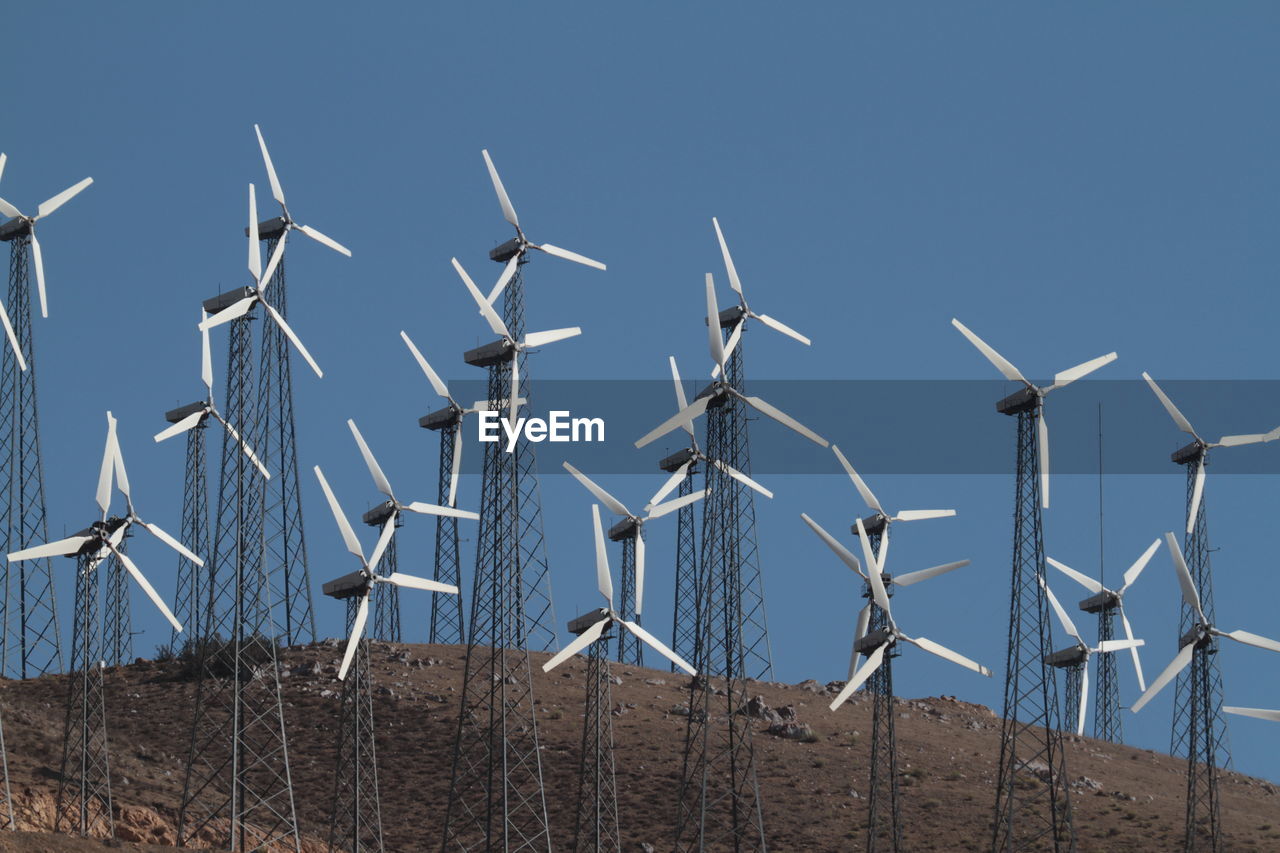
(813, 790)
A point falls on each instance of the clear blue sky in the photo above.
(1067, 181)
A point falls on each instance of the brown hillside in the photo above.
(1124, 798)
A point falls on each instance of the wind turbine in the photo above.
(206, 409)
(29, 222)
(720, 388)
(368, 569)
(632, 525)
(456, 409)
(1115, 597)
(609, 616)
(1078, 656)
(384, 486)
(104, 536)
(1200, 446)
(286, 219)
(1060, 380)
(1201, 634)
(881, 642)
(509, 343)
(255, 294)
(509, 213)
(745, 310)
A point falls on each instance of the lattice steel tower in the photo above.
(596, 820)
(355, 824)
(447, 624)
(685, 619)
(191, 603)
(84, 791)
(238, 787)
(496, 796)
(31, 645)
(1031, 812)
(117, 645)
(386, 605)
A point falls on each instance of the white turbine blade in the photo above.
(615, 506)
(658, 646)
(448, 511)
(579, 643)
(324, 240)
(676, 478)
(1062, 614)
(508, 212)
(570, 256)
(714, 341)
(1189, 594)
(1178, 664)
(277, 255)
(357, 629)
(1108, 646)
(1043, 443)
(181, 426)
(781, 417)
(61, 548)
(38, 258)
(673, 505)
(538, 339)
(9, 210)
(244, 445)
(206, 360)
(344, 526)
(412, 582)
(455, 470)
(293, 338)
(883, 554)
(735, 337)
(946, 653)
(491, 317)
(276, 191)
(729, 268)
(924, 574)
(122, 476)
(503, 280)
(1250, 639)
(1079, 577)
(1137, 662)
(864, 622)
(1131, 573)
(779, 326)
(514, 390)
(375, 470)
(1178, 417)
(255, 250)
(1237, 440)
(680, 418)
(878, 593)
(870, 665)
(681, 402)
(436, 382)
(604, 582)
(845, 555)
(1001, 363)
(1084, 699)
(384, 539)
(156, 531)
(1259, 713)
(108, 467)
(3, 158)
(47, 207)
(234, 311)
(13, 339)
(868, 497)
(1197, 495)
(741, 478)
(639, 545)
(146, 587)
(1071, 374)
(923, 514)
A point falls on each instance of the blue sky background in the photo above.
(1066, 181)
